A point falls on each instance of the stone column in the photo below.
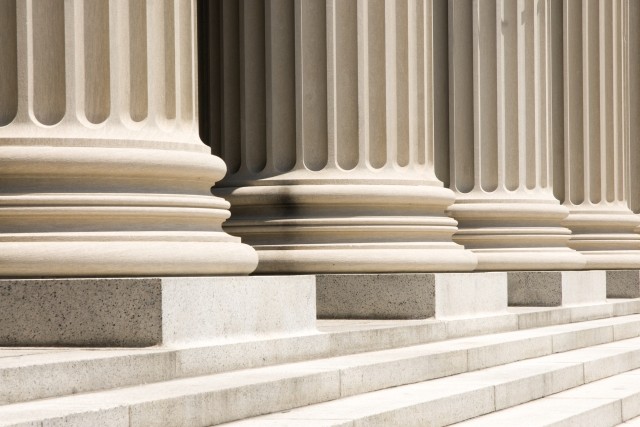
(594, 135)
(626, 283)
(631, 65)
(501, 113)
(326, 126)
(102, 172)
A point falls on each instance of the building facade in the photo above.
(318, 211)
(357, 136)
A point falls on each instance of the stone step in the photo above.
(461, 397)
(212, 399)
(87, 370)
(607, 402)
(634, 422)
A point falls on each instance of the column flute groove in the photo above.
(632, 102)
(102, 172)
(595, 137)
(362, 195)
(501, 66)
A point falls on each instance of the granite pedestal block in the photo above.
(136, 312)
(556, 288)
(410, 295)
(623, 283)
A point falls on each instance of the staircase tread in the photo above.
(559, 406)
(367, 404)
(633, 422)
(401, 395)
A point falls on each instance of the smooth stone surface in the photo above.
(150, 311)
(635, 422)
(470, 294)
(411, 296)
(556, 288)
(623, 283)
(472, 326)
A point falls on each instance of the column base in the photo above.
(411, 296)
(556, 288)
(528, 259)
(124, 209)
(326, 227)
(137, 312)
(612, 259)
(123, 256)
(605, 235)
(364, 259)
(513, 232)
(623, 284)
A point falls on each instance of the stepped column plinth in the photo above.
(102, 172)
(325, 122)
(502, 112)
(595, 135)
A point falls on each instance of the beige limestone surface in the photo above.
(596, 125)
(327, 127)
(501, 86)
(102, 172)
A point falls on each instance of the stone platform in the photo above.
(411, 295)
(452, 295)
(139, 312)
(557, 288)
(175, 310)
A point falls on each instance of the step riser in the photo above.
(604, 416)
(527, 389)
(18, 385)
(610, 366)
(435, 413)
(209, 409)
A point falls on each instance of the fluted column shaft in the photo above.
(501, 135)
(595, 136)
(102, 172)
(326, 125)
(631, 61)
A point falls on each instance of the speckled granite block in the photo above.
(623, 283)
(375, 296)
(136, 312)
(556, 288)
(410, 295)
